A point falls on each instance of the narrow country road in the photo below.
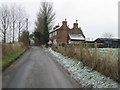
(36, 69)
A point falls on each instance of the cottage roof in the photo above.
(58, 28)
(79, 31)
(54, 29)
(76, 37)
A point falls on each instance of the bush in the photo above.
(8, 49)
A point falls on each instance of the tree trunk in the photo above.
(19, 33)
(13, 31)
(4, 40)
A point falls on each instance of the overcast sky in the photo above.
(95, 17)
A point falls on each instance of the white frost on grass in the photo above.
(84, 75)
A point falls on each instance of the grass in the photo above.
(101, 60)
(9, 48)
(5, 61)
(112, 51)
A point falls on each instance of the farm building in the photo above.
(63, 34)
(110, 42)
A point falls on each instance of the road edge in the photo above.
(73, 81)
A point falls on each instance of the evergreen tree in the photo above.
(44, 22)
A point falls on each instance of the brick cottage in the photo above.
(63, 34)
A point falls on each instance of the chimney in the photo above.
(75, 25)
(64, 24)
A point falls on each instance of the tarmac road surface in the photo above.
(36, 69)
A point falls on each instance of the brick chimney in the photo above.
(75, 25)
(64, 24)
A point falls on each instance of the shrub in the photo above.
(8, 49)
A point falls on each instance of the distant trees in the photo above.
(12, 22)
(44, 22)
(107, 35)
(25, 38)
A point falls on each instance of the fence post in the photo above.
(119, 64)
(81, 50)
(96, 52)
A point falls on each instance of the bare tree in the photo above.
(107, 35)
(10, 33)
(4, 20)
(21, 20)
(12, 22)
(14, 17)
(18, 17)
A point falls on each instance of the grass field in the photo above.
(111, 51)
(104, 60)
(10, 58)
(108, 51)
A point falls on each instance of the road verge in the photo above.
(84, 75)
(12, 58)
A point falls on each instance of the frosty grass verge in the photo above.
(84, 75)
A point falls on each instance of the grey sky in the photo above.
(94, 16)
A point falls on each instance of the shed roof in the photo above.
(76, 37)
(107, 39)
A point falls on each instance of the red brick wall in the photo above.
(75, 29)
(62, 36)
